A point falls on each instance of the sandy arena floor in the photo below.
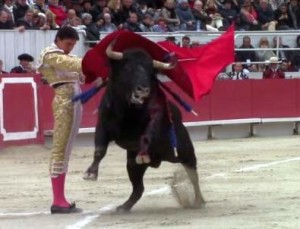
(247, 183)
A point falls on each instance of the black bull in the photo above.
(135, 114)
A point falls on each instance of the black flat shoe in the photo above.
(65, 210)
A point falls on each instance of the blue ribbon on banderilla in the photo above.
(85, 96)
(182, 103)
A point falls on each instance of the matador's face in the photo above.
(66, 44)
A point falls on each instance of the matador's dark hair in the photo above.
(66, 32)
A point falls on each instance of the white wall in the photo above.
(14, 43)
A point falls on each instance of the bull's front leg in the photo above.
(101, 144)
(156, 114)
(136, 175)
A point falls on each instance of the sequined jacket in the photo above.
(58, 67)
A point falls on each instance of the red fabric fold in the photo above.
(198, 68)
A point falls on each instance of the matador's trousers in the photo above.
(67, 117)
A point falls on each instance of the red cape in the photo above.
(195, 72)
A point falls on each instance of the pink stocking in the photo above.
(58, 188)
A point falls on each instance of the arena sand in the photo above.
(247, 183)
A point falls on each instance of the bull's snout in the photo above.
(140, 94)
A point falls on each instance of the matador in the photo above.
(62, 71)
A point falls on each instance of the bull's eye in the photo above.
(139, 88)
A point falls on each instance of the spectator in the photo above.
(228, 13)
(132, 23)
(70, 15)
(25, 64)
(130, 6)
(97, 25)
(19, 9)
(263, 55)
(27, 21)
(40, 6)
(98, 9)
(186, 42)
(201, 16)
(115, 7)
(195, 44)
(282, 54)
(187, 20)
(169, 15)
(294, 12)
(107, 25)
(144, 9)
(249, 18)
(40, 21)
(295, 59)
(160, 26)
(92, 34)
(8, 7)
(105, 10)
(87, 7)
(235, 4)
(147, 24)
(171, 39)
(50, 20)
(76, 23)
(77, 6)
(5, 23)
(275, 4)
(273, 71)
(238, 72)
(287, 66)
(1, 68)
(58, 11)
(283, 19)
(266, 16)
(157, 4)
(211, 8)
(247, 56)
(222, 76)
(255, 3)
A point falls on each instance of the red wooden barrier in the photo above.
(26, 105)
(20, 110)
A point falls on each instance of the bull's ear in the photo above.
(112, 54)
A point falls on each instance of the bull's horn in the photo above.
(112, 54)
(162, 65)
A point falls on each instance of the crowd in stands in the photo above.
(268, 50)
(151, 15)
(96, 16)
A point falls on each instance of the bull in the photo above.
(135, 113)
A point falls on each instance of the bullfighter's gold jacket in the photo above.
(58, 67)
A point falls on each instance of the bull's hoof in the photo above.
(123, 209)
(142, 159)
(198, 204)
(90, 176)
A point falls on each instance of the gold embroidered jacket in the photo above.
(58, 67)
